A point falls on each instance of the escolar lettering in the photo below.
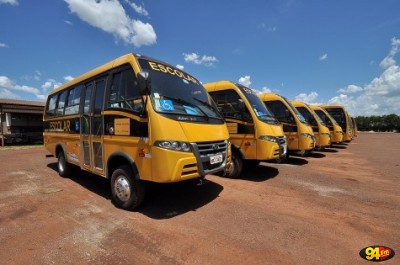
(172, 71)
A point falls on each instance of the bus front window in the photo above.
(179, 95)
(257, 105)
(298, 114)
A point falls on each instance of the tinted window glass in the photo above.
(74, 98)
(61, 103)
(231, 105)
(124, 92)
(51, 106)
(279, 110)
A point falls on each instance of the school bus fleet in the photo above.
(136, 120)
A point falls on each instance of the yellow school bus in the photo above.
(340, 114)
(334, 128)
(255, 134)
(134, 120)
(299, 135)
(321, 131)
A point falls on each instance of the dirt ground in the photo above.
(322, 209)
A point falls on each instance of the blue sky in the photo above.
(323, 52)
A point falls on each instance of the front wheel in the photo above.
(127, 191)
(64, 169)
(235, 168)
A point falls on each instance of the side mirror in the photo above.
(144, 83)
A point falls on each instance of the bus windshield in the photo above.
(177, 94)
(323, 117)
(338, 115)
(259, 108)
(298, 114)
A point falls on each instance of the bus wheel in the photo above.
(64, 169)
(303, 153)
(127, 192)
(235, 168)
(282, 159)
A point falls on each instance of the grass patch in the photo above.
(20, 147)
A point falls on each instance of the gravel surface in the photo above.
(322, 209)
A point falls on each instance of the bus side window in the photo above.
(51, 106)
(74, 98)
(61, 103)
(124, 92)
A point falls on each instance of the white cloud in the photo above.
(389, 61)
(350, 89)
(6, 86)
(68, 78)
(5, 93)
(245, 80)
(68, 22)
(138, 9)
(3, 45)
(380, 96)
(323, 57)
(268, 28)
(51, 84)
(201, 60)
(307, 98)
(179, 66)
(37, 75)
(5, 82)
(111, 17)
(265, 90)
(12, 2)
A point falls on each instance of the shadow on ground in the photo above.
(161, 201)
(258, 173)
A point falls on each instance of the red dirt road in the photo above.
(322, 209)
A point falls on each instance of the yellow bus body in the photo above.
(321, 132)
(249, 142)
(299, 134)
(155, 136)
(341, 116)
(334, 128)
(253, 137)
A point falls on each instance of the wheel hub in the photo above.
(122, 189)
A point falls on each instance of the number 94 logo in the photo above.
(376, 253)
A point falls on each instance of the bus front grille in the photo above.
(211, 156)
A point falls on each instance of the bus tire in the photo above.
(64, 169)
(236, 166)
(127, 191)
(282, 159)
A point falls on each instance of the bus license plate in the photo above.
(215, 159)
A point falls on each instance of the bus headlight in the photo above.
(268, 138)
(307, 135)
(174, 145)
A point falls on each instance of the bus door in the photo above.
(92, 126)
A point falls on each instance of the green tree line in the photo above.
(385, 123)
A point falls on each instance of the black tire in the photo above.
(283, 159)
(236, 166)
(127, 191)
(303, 153)
(64, 169)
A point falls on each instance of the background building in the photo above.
(21, 121)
